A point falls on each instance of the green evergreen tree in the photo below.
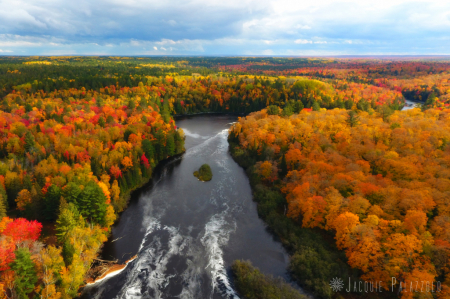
(99, 102)
(131, 104)
(123, 184)
(92, 203)
(348, 104)
(28, 107)
(340, 104)
(2, 208)
(159, 148)
(36, 206)
(273, 110)
(179, 143)
(12, 190)
(135, 173)
(67, 252)
(166, 116)
(170, 146)
(40, 179)
(283, 166)
(101, 122)
(315, 106)
(363, 105)
(287, 110)
(26, 276)
(39, 104)
(27, 184)
(96, 167)
(110, 119)
(69, 217)
(4, 197)
(430, 102)
(352, 118)
(298, 106)
(130, 181)
(148, 149)
(51, 202)
(385, 112)
(71, 193)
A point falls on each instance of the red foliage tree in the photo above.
(115, 171)
(7, 248)
(21, 229)
(144, 161)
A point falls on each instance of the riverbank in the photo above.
(102, 271)
(105, 270)
(145, 182)
(315, 259)
(252, 283)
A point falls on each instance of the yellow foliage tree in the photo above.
(23, 199)
(127, 163)
(115, 191)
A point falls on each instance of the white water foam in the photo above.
(192, 275)
(193, 135)
(222, 148)
(217, 232)
(152, 225)
(148, 271)
(201, 147)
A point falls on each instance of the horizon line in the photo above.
(235, 56)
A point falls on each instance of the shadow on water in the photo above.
(110, 251)
(187, 233)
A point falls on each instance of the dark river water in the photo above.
(187, 233)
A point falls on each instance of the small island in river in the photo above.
(204, 173)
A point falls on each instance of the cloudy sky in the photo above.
(224, 27)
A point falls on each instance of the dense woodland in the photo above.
(379, 185)
(351, 185)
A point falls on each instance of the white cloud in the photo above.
(320, 42)
(299, 26)
(165, 41)
(303, 41)
(270, 42)
(156, 49)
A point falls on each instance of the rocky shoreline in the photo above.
(105, 269)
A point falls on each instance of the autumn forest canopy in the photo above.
(349, 182)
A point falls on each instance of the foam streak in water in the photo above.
(193, 135)
(217, 232)
(204, 145)
(148, 278)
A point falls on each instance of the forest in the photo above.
(348, 181)
(379, 186)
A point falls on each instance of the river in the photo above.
(410, 104)
(187, 233)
